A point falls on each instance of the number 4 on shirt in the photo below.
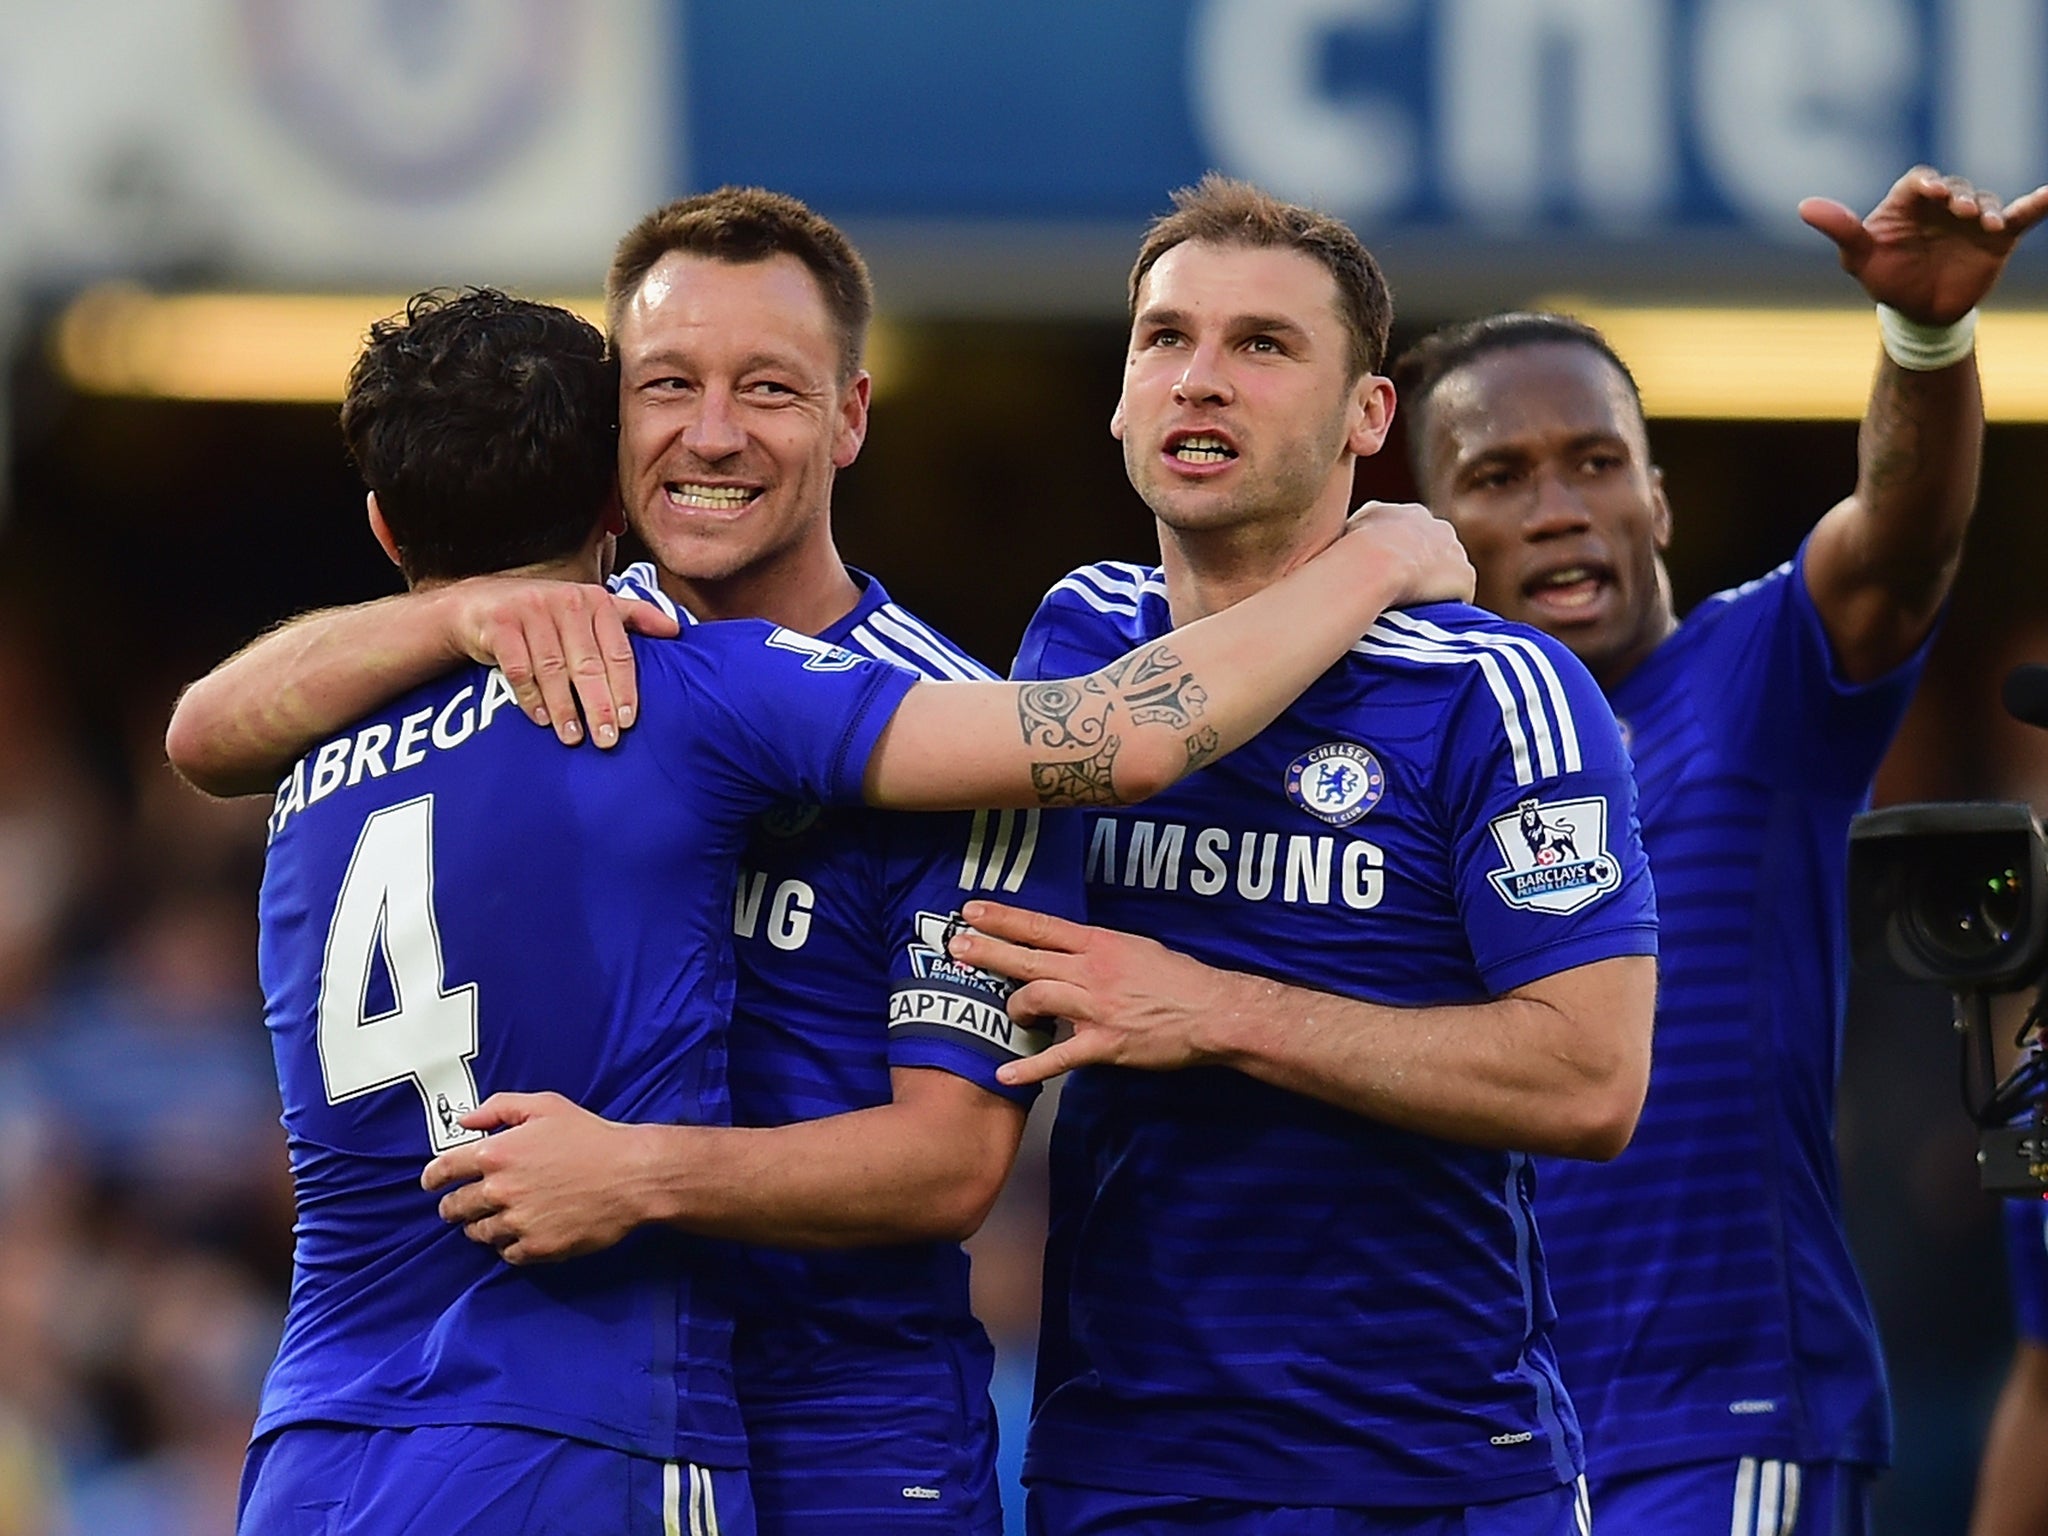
(428, 1037)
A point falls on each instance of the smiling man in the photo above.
(873, 1131)
(1711, 1323)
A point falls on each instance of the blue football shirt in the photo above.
(453, 905)
(1708, 1305)
(1256, 1296)
(862, 1373)
(2026, 1252)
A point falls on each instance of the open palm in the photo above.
(1935, 245)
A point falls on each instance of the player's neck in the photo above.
(1208, 570)
(807, 590)
(586, 565)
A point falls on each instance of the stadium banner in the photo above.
(330, 142)
(1623, 130)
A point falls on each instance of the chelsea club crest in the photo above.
(1337, 782)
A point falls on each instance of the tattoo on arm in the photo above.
(1063, 714)
(1152, 688)
(1157, 688)
(1086, 782)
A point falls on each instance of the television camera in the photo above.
(1957, 894)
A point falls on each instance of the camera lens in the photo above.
(1963, 914)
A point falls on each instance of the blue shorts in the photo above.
(1062, 1509)
(477, 1480)
(1749, 1497)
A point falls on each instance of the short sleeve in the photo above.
(1767, 688)
(1540, 803)
(797, 715)
(944, 1014)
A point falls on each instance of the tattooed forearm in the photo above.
(1071, 723)
(1156, 688)
(1086, 782)
(1063, 714)
(1135, 670)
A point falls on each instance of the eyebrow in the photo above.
(1516, 451)
(669, 357)
(1237, 325)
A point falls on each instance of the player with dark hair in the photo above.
(1711, 1323)
(526, 447)
(1293, 1281)
(736, 412)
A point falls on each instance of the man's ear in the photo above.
(1372, 415)
(853, 419)
(382, 530)
(1660, 511)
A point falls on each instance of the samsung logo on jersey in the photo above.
(344, 762)
(1311, 869)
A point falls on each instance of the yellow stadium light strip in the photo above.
(273, 348)
(1797, 364)
(265, 348)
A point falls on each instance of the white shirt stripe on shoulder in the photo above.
(1524, 653)
(1112, 586)
(1535, 714)
(1012, 841)
(913, 635)
(1376, 643)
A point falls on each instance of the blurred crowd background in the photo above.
(173, 482)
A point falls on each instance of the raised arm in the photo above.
(237, 729)
(1881, 562)
(1559, 1065)
(1161, 711)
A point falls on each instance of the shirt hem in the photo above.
(704, 1450)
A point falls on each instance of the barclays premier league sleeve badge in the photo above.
(1337, 782)
(1557, 855)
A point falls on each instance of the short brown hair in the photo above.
(1223, 211)
(742, 225)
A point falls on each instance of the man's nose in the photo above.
(1204, 379)
(714, 430)
(1556, 506)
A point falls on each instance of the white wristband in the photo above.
(1924, 348)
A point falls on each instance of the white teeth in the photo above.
(722, 498)
(1566, 578)
(1202, 449)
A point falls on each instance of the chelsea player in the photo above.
(1293, 1279)
(1711, 1323)
(810, 1183)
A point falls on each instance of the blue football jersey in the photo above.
(2026, 1252)
(1253, 1295)
(1708, 1305)
(453, 904)
(863, 1373)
